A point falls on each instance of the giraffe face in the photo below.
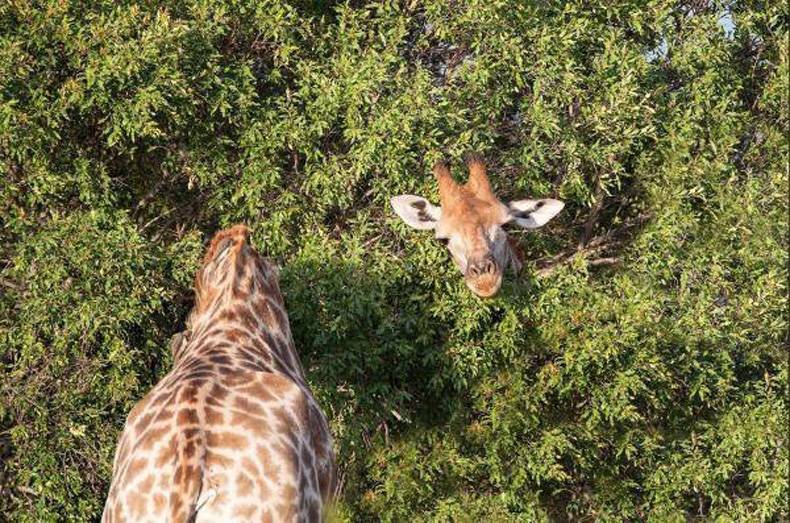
(470, 222)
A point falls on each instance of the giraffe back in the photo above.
(233, 432)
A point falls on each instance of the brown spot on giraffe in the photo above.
(134, 467)
(159, 502)
(244, 485)
(245, 512)
(470, 222)
(147, 484)
(206, 444)
(167, 454)
(226, 440)
(214, 416)
(152, 437)
(187, 417)
(137, 507)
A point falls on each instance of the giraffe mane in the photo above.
(238, 234)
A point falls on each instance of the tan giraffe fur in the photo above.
(470, 221)
(233, 432)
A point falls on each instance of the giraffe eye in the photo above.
(443, 241)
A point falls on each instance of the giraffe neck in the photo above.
(248, 321)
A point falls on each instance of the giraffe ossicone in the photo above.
(232, 432)
(470, 222)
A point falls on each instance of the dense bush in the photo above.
(641, 377)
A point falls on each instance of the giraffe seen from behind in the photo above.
(469, 221)
(233, 432)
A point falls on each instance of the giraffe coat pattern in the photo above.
(233, 432)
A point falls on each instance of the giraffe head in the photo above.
(470, 220)
(232, 270)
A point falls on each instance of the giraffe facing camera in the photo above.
(470, 220)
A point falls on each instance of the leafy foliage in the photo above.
(650, 389)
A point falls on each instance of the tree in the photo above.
(636, 370)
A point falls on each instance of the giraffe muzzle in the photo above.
(483, 277)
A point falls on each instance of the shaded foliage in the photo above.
(636, 370)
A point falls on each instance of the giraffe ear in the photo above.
(531, 214)
(416, 211)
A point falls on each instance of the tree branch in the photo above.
(594, 246)
(589, 225)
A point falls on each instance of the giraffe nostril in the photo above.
(482, 268)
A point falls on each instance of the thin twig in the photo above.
(371, 241)
(589, 225)
(174, 213)
(603, 261)
(151, 193)
(27, 490)
(593, 246)
(11, 285)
